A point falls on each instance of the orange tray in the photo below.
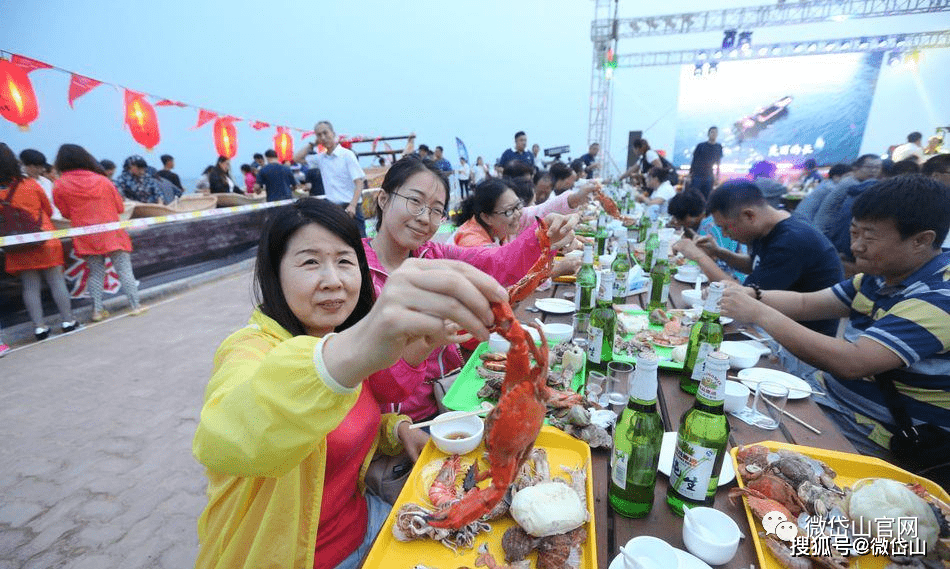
(389, 553)
(850, 468)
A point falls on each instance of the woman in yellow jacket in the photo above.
(286, 430)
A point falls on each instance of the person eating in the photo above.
(287, 428)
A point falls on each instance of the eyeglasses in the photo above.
(510, 211)
(417, 207)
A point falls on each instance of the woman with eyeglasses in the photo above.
(411, 207)
(490, 216)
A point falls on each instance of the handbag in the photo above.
(16, 220)
(386, 475)
(923, 448)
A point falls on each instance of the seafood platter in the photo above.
(666, 332)
(545, 519)
(481, 379)
(830, 506)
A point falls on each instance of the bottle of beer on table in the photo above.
(650, 247)
(621, 267)
(602, 233)
(585, 292)
(705, 337)
(600, 337)
(701, 441)
(643, 229)
(637, 441)
(660, 277)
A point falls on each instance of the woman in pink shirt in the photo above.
(411, 207)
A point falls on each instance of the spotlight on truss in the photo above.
(894, 58)
(901, 41)
(701, 56)
(864, 43)
(713, 68)
(728, 39)
(745, 40)
(698, 70)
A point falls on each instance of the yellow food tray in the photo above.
(389, 553)
(850, 468)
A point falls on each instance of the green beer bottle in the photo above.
(643, 229)
(704, 337)
(585, 290)
(603, 320)
(701, 441)
(650, 247)
(620, 267)
(660, 277)
(637, 441)
(602, 233)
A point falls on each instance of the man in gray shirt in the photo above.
(867, 167)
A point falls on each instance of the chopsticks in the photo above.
(440, 420)
(746, 380)
(794, 418)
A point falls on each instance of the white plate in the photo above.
(554, 305)
(725, 320)
(682, 279)
(686, 561)
(726, 475)
(797, 387)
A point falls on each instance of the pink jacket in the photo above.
(411, 387)
(87, 198)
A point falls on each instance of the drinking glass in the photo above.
(581, 324)
(596, 382)
(770, 399)
(618, 378)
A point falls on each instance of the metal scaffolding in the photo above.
(755, 17)
(891, 42)
(601, 102)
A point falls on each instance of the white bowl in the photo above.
(689, 272)
(693, 297)
(443, 434)
(557, 333)
(498, 344)
(737, 394)
(533, 332)
(741, 355)
(721, 541)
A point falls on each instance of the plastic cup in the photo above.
(770, 399)
(618, 380)
(580, 323)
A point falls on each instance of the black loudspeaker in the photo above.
(635, 135)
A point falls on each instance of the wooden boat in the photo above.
(180, 205)
(231, 200)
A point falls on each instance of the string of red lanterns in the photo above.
(18, 104)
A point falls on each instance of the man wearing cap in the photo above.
(339, 169)
(34, 165)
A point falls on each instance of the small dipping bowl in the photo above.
(689, 271)
(658, 553)
(741, 356)
(498, 344)
(457, 437)
(737, 394)
(720, 539)
(693, 297)
(557, 332)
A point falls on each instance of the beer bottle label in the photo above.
(618, 468)
(595, 338)
(692, 470)
(700, 365)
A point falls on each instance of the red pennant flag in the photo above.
(229, 118)
(258, 125)
(169, 103)
(306, 134)
(204, 117)
(28, 64)
(79, 85)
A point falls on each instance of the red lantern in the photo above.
(141, 120)
(225, 138)
(284, 145)
(17, 99)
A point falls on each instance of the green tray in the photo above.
(664, 354)
(463, 395)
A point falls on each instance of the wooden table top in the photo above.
(614, 530)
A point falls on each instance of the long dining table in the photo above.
(614, 530)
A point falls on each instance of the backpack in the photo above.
(16, 220)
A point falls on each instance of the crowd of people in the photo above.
(297, 406)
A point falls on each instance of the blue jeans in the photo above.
(378, 511)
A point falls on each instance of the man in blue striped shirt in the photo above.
(899, 305)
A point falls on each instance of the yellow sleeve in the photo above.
(389, 442)
(267, 407)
